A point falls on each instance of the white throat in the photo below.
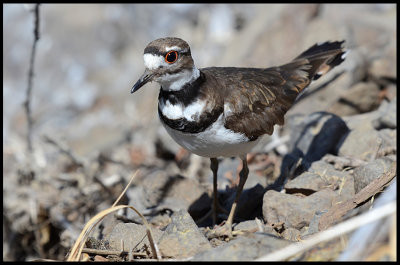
(176, 81)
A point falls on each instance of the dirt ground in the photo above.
(333, 161)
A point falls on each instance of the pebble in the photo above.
(182, 238)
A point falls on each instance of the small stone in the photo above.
(389, 138)
(361, 144)
(364, 175)
(269, 229)
(182, 238)
(294, 211)
(340, 181)
(163, 191)
(313, 227)
(388, 115)
(246, 226)
(360, 98)
(133, 236)
(291, 234)
(244, 248)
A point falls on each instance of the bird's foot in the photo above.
(221, 231)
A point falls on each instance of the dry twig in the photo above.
(27, 102)
(337, 211)
(65, 150)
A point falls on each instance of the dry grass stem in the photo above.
(76, 251)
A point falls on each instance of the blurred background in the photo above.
(89, 56)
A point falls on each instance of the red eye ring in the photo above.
(171, 57)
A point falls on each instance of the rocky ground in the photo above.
(332, 161)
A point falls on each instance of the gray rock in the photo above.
(133, 236)
(389, 138)
(295, 211)
(269, 229)
(360, 98)
(388, 115)
(383, 66)
(361, 143)
(364, 175)
(317, 134)
(363, 120)
(246, 226)
(314, 224)
(182, 238)
(171, 192)
(340, 181)
(306, 183)
(136, 199)
(243, 248)
(291, 234)
(319, 176)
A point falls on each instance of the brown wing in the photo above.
(257, 99)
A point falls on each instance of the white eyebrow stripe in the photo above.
(172, 48)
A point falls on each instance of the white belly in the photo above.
(215, 141)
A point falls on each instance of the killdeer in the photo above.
(224, 111)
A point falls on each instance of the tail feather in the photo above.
(323, 57)
(321, 49)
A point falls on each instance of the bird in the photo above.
(219, 112)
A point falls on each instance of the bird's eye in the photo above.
(171, 57)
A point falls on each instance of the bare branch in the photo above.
(27, 102)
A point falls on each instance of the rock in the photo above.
(390, 91)
(389, 138)
(385, 65)
(372, 119)
(364, 175)
(362, 120)
(182, 238)
(388, 115)
(339, 181)
(324, 251)
(295, 211)
(306, 183)
(247, 226)
(244, 248)
(137, 200)
(314, 224)
(309, 182)
(269, 229)
(291, 234)
(361, 143)
(133, 236)
(171, 192)
(360, 98)
(108, 223)
(316, 134)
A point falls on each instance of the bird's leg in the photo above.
(214, 168)
(243, 177)
(216, 207)
(226, 229)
